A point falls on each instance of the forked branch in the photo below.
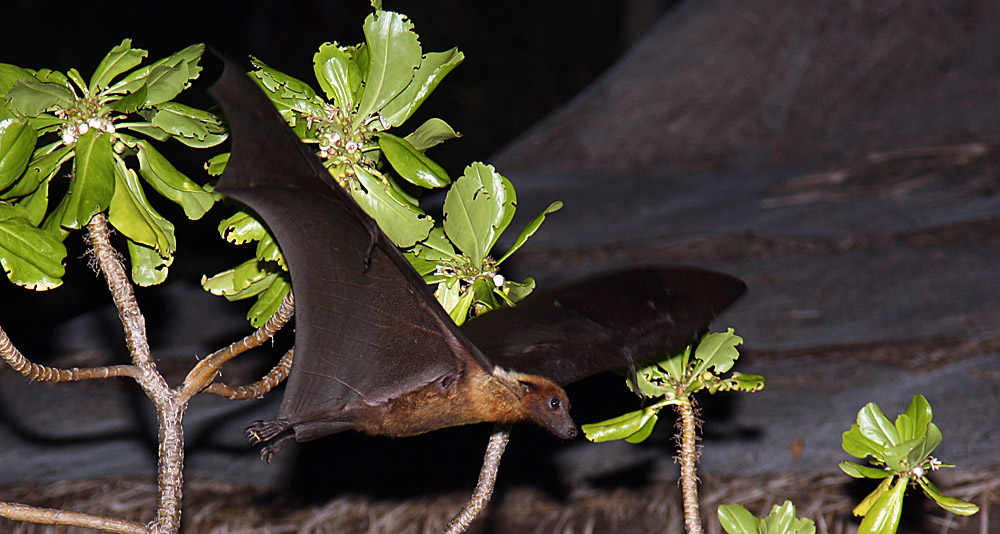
(208, 369)
(251, 391)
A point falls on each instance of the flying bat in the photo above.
(374, 350)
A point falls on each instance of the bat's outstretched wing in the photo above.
(610, 321)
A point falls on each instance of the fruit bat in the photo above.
(376, 353)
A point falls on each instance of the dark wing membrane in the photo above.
(363, 335)
(606, 322)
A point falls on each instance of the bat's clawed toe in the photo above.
(260, 431)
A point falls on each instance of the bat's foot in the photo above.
(260, 431)
(269, 450)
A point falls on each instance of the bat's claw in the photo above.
(269, 450)
(260, 431)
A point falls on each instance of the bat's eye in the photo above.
(447, 381)
(555, 403)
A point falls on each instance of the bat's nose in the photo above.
(566, 431)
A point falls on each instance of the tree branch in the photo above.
(49, 516)
(205, 372)
(44, 373)
(688, 460)
(487, 481)
(251, 391)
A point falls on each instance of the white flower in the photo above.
(498, 280)
(82, 128)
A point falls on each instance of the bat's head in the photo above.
(546, 403)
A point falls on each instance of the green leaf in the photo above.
(431, 133)
(895, 456)
(477, 209)
(620, 427)
(171, 183)
(857, 445)
(51, 76)
(782, 520)
(749, 383)
(912, 424)
(164, 83)
(437, 247)
(9, 75)
(434, 67)
(93, 183)
(130, 102)
(192, 127)
(675, 365)
(530, 229)
(43, 166)
(951, 504)
(77, 79)
(36, 204)
(517, 291)
(30, 98)
(874, 425)
(242, 281)
(45, 123)
(863, 471)
(149, 268)
(338, 75)
(31, 257)
(165, 78)
(884, 516)
(275, 81)
(644, 432)
(717, 350)
(241, 227)
(120, 59)
(149, 130)
(268, 301)
(393, 53)
(869, 501)
(404, 223)
(216, 164)
(736, 519)
(17, 142)
(460, 311)
(651, 381)
(268, 250)
(929, 442)
(131, 213)
(411, 164)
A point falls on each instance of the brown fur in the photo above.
(474, 396)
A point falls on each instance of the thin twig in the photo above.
(487, 481)
(49, 516)
(251, 391)
(44, 373)
(205, 372)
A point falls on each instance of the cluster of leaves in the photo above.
(736, 519)
(675, 378)
(370, 88)
(49, 119)
(898, 453)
